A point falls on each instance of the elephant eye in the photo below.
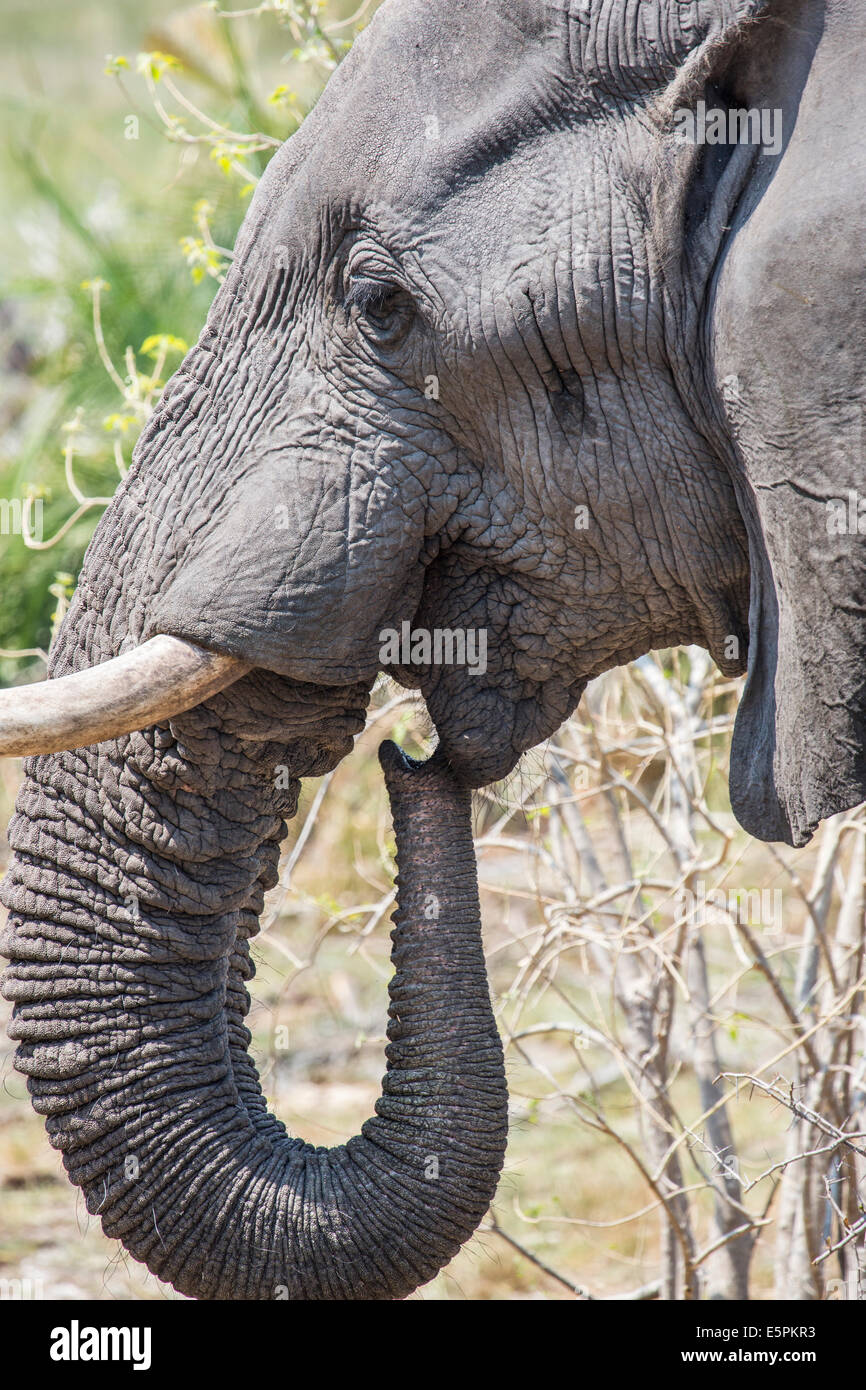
(382, 309)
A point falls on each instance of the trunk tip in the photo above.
(394, 761)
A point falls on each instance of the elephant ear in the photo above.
(771, 267)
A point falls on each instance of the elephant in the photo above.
(545, 325)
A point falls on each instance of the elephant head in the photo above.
(501, 354)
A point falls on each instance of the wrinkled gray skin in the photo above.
(490, 194)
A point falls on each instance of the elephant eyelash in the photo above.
(374, 298)
(383, 310)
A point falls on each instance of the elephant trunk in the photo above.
(128, 940)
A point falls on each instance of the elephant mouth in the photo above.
(167, 676)
(476, 756)
(483, 727)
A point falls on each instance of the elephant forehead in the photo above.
(443, 56)
(451, 122)
(411, 96)
(433, 89)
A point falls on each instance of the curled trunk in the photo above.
(136, 884)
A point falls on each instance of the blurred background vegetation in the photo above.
(110, 180)
(126, 178)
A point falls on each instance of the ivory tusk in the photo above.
(159, 679)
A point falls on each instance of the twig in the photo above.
(495, 1229)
